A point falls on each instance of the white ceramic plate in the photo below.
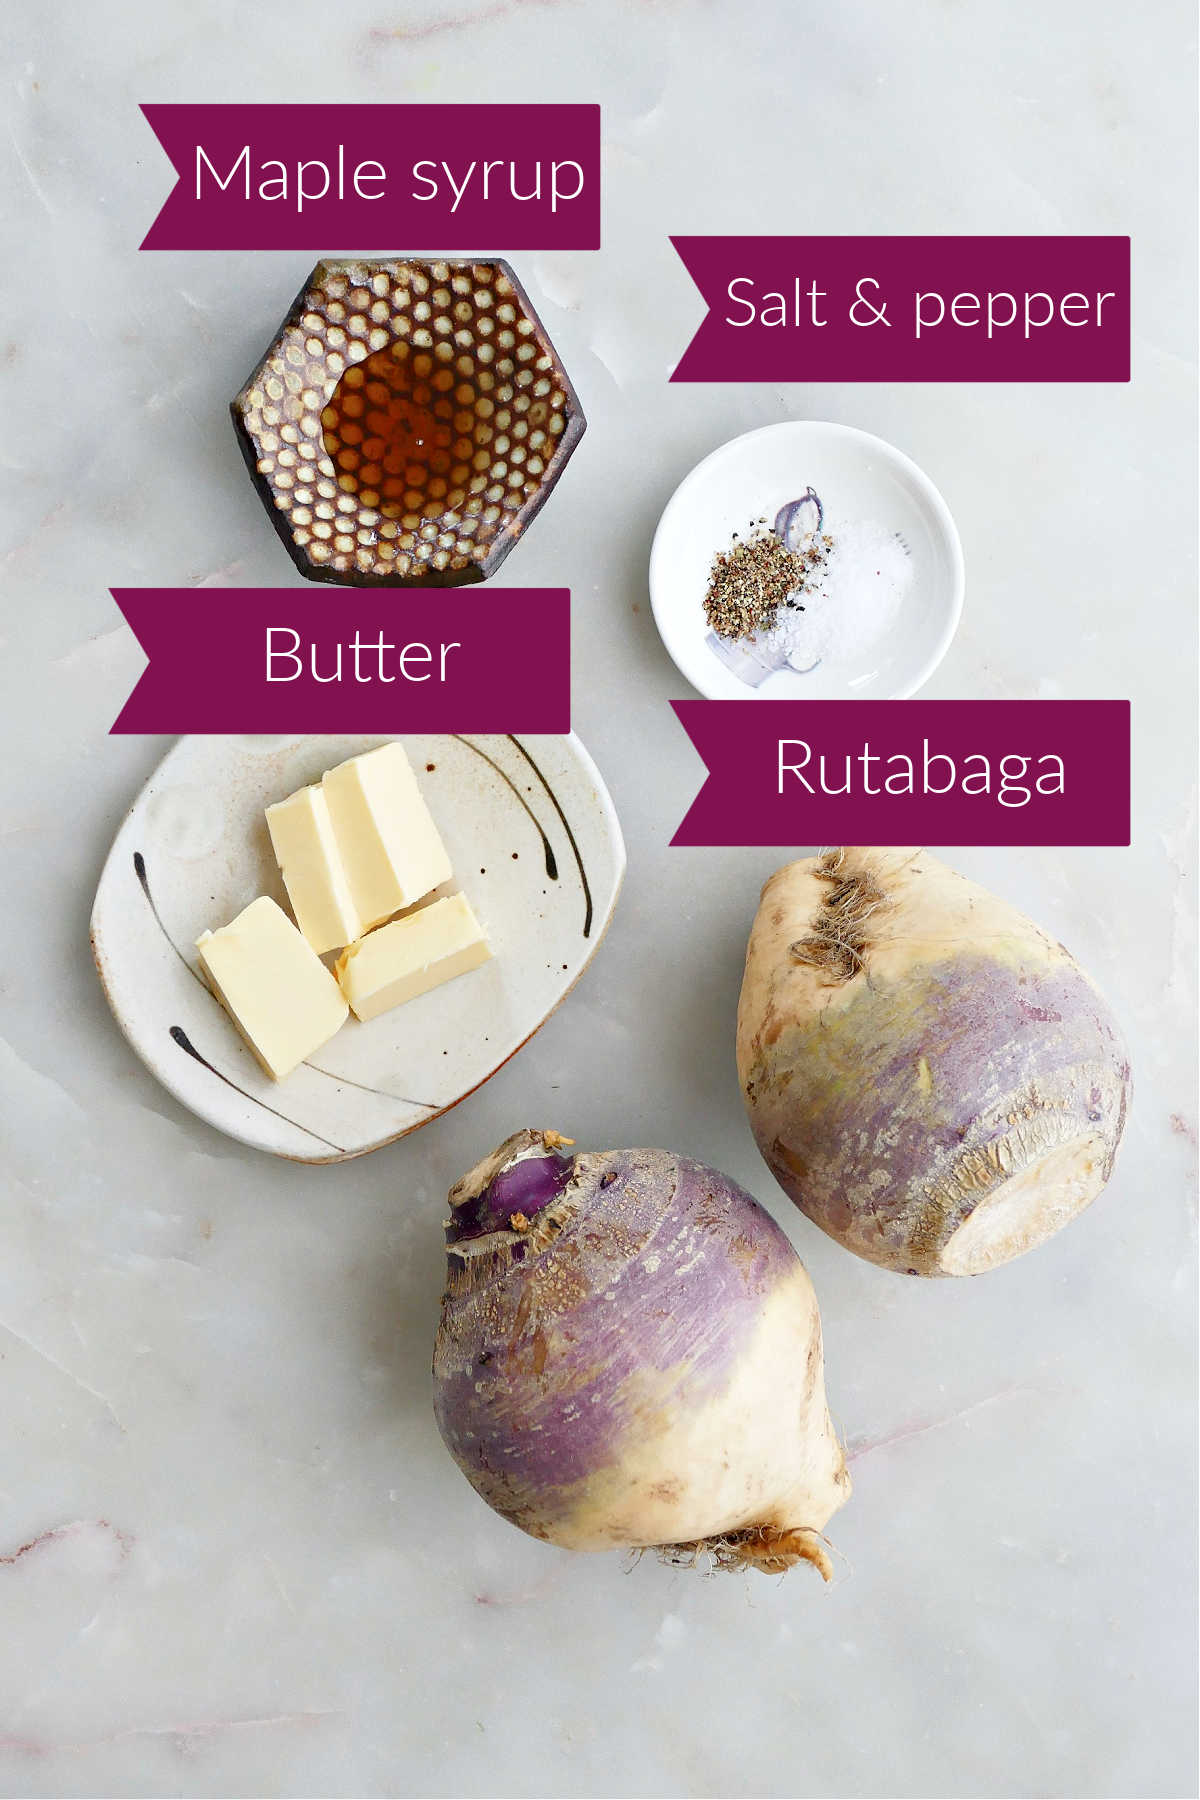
(535, 845)
(866, 489)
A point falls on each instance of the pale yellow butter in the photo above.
(389, 845)
(273, 985)
(307, 853)
(412, 955)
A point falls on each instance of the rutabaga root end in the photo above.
(838, 940)
(761, 1547)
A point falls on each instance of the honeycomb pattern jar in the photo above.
(407, 422)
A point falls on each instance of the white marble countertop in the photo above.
(234, 1558)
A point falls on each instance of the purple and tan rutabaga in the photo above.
(630, 1357)
(930, 1077)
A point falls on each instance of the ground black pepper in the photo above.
(750, 581)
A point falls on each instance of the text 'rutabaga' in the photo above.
(1013, 779)
(984, 772)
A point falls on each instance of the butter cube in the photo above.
(273, 985)
(307, 853)
(412, 955)
(388, 842)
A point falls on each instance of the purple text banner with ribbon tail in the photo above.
(937, 772)
(316, 177)
(286, 660)
(909, 309)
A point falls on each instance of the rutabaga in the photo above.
(930, 1077)
(1013, 778)
(630, 1356)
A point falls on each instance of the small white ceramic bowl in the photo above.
(865, 486)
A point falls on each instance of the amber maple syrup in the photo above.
(389, 431)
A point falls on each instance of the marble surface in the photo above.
(234, 1558)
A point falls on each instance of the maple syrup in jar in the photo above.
(390, 429)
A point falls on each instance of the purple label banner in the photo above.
(284, 660)
(909, 309)
(1019, 772)
(310, 177)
